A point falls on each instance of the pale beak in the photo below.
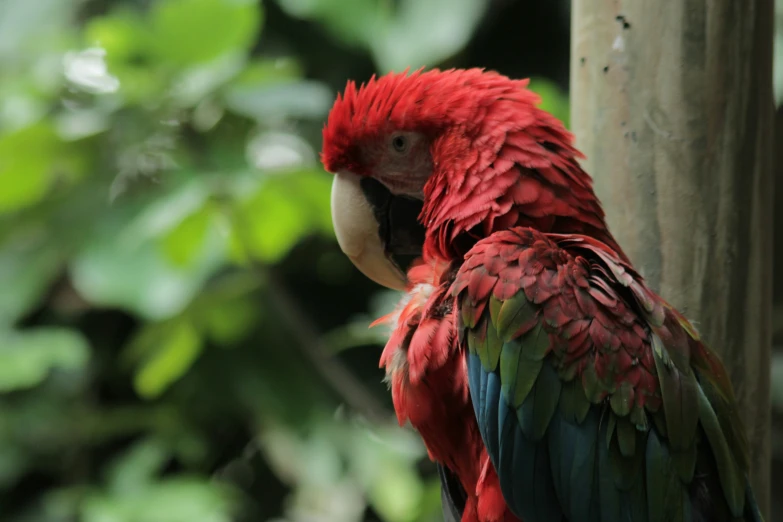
(357, 231)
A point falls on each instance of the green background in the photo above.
(180, 337)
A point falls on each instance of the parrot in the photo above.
(546, 380)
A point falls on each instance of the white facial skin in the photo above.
(402, 162)
(357, 232)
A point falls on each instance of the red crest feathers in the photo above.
(422, 101)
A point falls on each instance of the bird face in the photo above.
(387, 142)
(375, 209)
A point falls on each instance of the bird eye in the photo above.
(400, 143)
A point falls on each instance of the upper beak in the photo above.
(362, 229)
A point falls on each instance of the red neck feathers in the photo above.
(508, 163)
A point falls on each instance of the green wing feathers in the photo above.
(573, 360)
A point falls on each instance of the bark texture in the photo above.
(672, 104)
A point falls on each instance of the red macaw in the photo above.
(545, 378)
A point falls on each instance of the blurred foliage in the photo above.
(150, 180)
(168, 264)
(180, 337)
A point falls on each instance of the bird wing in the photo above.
(595, 399)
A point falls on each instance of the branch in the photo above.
(340, 378)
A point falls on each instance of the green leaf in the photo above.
(384, 461)
(285, 210)
(27, 357)
(230, 321)
(27, 168)
(13, 463)
(183, 244)
(302, 99)
(268, 72)
(176, 351)
(139, 84)
(188, 32)
(29, 262)
(125, 36)
(137, 467)
(399, 34)
(352, 21)
(200, 81)
(25, 25)
(397, 496)
(553, 99)
(178, 499)
(122, 34)
(122, 265)
(20, 106)
(138, 279)
(411, 39)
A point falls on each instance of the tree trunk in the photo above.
(672, 104)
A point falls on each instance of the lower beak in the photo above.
(357, 231)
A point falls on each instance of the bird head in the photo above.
(433, 161)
